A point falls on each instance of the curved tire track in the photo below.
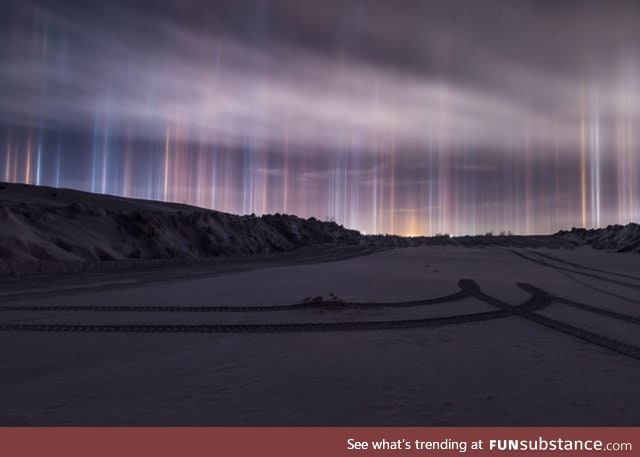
(259, 328)
(538, 300)
(594, 338)
(535, 302)
(329, 305)
(591, 309)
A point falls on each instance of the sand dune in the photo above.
(44, 229)
(621, 238)
(46, 224)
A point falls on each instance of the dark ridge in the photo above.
(619, 238)
(43, 224)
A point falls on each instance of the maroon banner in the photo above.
(319, 442)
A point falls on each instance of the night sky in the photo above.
(405, 116)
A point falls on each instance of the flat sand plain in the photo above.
(418, 336)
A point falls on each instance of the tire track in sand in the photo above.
(535, 302)
(594, 338)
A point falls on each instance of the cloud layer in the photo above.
(498, 76)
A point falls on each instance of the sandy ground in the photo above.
(576, 361)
